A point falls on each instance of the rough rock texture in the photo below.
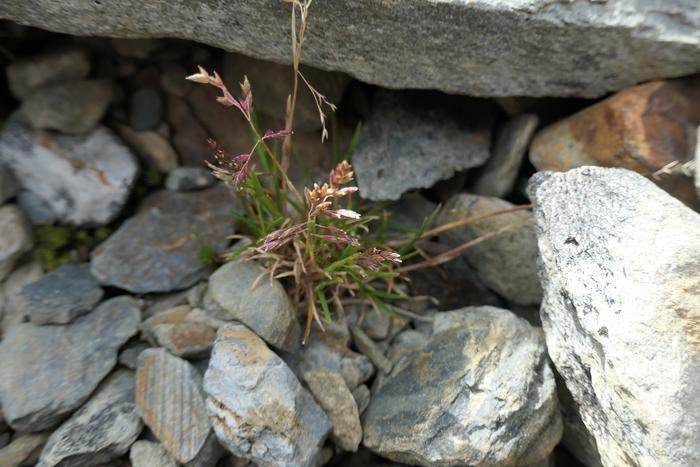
(497, 177)
(507, 262)
(72, 359)
(170, 401)
(183, 331)
(15, 238)
(413, 140)
(489, 47)
(85, 179)
(24, 450)
(149, 454)
(13, 310)
(102, 430)
(62, 295)
(74, 107)
(480, 393)
(642, 128)
(266, 309)
(257, 406)
(621, 309)
(157, 249)
(27, 75)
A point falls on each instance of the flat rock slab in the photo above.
(71, 360)
(171, 403)
(257, 407)
(157, 249)
(62, 295)
(490, 47)
(412, 140)
(102, 430)
(480, 393)
(621, 310)
(85, 179)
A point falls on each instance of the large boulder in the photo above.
(489, 47)
(621, 310)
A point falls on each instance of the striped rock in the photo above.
(171, 404)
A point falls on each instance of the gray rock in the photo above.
(30, 74)
(62, 295)
(189, 179)
(85, 179)
(184, 332)
(497, 177)
(620, 310)
(146, 109)
(507, 262)
(8, 185)
(37, 210)
(102, 430)
(370, 349)
(15, 238)
(149, 454)
(266, 309)
(576, 437)
(374, 322)
(74, 107)
(171, 403)
(257, 406)
(72, 359)
(13, 310)
(152, 147)
(493, 47)
(129, 354)
(480, 393)
(24, 450)
(334, 397)
(157, 249)
(362, 397)
(405, 344)
(412, 140)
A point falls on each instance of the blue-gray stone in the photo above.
(62, 295)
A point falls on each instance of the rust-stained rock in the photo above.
(185, 332)
(171, 403)
(642, 128)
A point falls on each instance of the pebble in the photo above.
(15, 238)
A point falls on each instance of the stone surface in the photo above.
(412, 140)
(189, 179)
(8, 185)
(145, 109)
(184, 332)
(266, 309)
(258, 409)
(85, 179)
(480, 393)
(71, 359)
(370, 349)
(149, 454)
(497, 177)
(189, 135)
(13, 310)
(170, 401)
(62, 295)
(334, 397)
(507, 262)
(37, 210)
(15, 238)
(490, 47)
(271, 94)
(129, 354)
(642, 128)
(24, 450)
(102, 430)
(74, 107)
(362, 397)
(152, 147)
(620, 310)
(157, 249)
(27, 75)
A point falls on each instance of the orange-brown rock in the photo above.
(642, 128)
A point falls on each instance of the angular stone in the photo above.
(257, 406)
(620, 310)
(157, 249)
(412, 140)
(152, 147)
(480, 393)
(15, 238)
(62, 295)
(171, 403)
(507, 262)
(8, 185)
(85, 179)
(334, 397)
(265, 309)
(30, 74)
(492, 47)
(13, 310)
(183, 331)
(642, 128)
(74, 107)
(102, 430)
(24, 450)
(72, 359)
(189, 179)
(498, 176)
(149, 454)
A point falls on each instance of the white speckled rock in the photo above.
(620, 260)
